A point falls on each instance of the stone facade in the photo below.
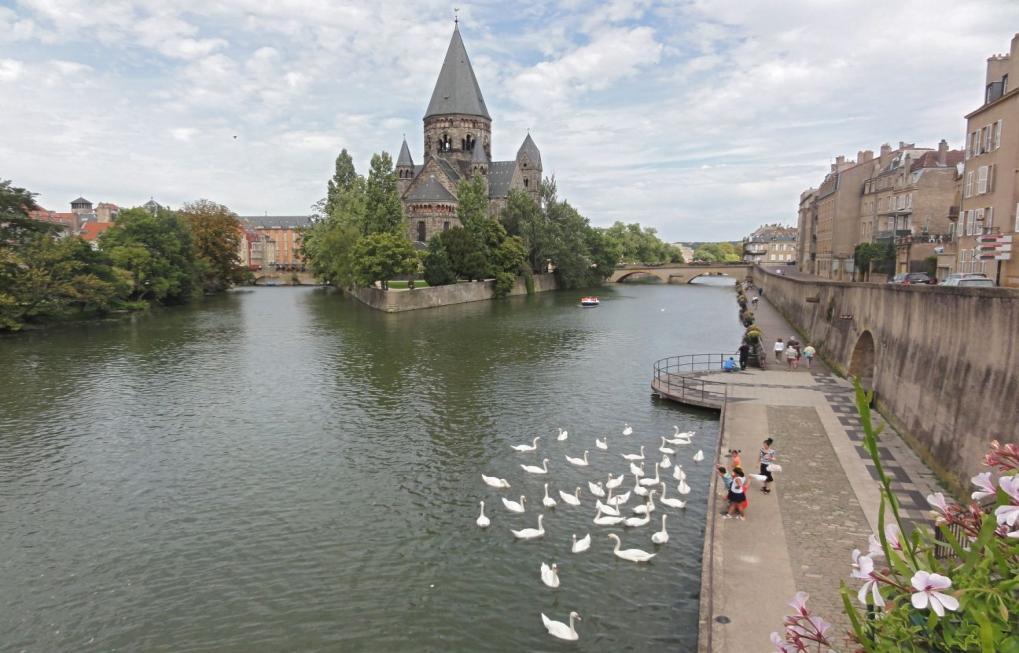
(457, 146)
(771, 244)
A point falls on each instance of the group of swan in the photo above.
(608, 512)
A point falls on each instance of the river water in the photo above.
(285, 469)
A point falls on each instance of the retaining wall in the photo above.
(945, 360)
(396, 301)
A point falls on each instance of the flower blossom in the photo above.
(983, 481)
(1009, 514)
(780, 645)
(864, 570)
(874, 548)
(799, 603)
(927, 585)
(892, 535)
(938, 502)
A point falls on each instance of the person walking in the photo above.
(744, 355)
(767, 456)
(808, 353)
(779, 348)
(737, 494)
(790, 355)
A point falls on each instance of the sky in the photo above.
(701, 118)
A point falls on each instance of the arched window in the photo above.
(525, 182)
(421, 231)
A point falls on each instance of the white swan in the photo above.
(678, 473)
(613, 483)
(550, 575)
(683, 488)
(493, 481)
(627, 429)
(647, 508)
(601, 444)
(699, 456)
(639, 489)
(634, 456)
(606, 521)
(571, 499)
(634, 522)
(619, 500)
(596, 489)
(662, 536)
(527, 447)
(533, 469)
(483, 521)
(672, 503)
(562, 435)
(513, 506)
(666, 463)
(561, 630)
(665, 449)
(633, 555)
(637, 471)
(579, 462)
(608, 510)
(548, 501)
(651, 481)
(581, 545)
(530, 533)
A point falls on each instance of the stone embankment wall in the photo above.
(944, 362)
(395, 301)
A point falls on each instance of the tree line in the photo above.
(145, 258)
(360, 237)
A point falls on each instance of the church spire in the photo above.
(404, 159)
(456, 89)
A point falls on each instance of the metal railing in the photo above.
(678, 378)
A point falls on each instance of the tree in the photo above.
(523, 217)
(438, 271)
(158, 252)
(327, 244)
(382, 256)
(344, 178)
(383, 208)
(216, 234)
(717, 253)
(472, 205)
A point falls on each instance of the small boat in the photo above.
(589, 302)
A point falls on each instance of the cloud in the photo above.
(10, 70)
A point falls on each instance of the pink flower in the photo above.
(799, 603)
(927, 586)
(1009, 514)
(937, 501)
(820, 625)
(780, 645)
(874, 548)
(1010, 484)
(987, 489)
(865, 571)
(892, 535)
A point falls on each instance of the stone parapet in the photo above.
(397, 301)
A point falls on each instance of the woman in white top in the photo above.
(779, 348)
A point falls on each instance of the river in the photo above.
(285, 469)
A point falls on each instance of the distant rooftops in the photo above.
(276, 221)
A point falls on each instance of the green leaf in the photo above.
(861, 631)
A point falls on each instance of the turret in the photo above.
(404, 168)
(529, 166)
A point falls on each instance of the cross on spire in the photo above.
(456, 17)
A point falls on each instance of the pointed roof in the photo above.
(479, 155)
(456, 89)
(430, 191)
(80, 200)
(531, 150)
(404, 158)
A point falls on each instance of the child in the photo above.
(767, 456)
(734, 454)
(737, 494)
(726, 478)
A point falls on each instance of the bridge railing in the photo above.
(678, 377)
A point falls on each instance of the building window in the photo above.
(445, 226)
(969, 185)
(981, 180)
(525, 180)
(997, 135)
(421, 231)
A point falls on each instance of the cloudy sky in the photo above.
(702, 118)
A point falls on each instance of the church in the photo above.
(458, 144)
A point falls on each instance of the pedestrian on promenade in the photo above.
(808, 353)
(737, 494)
(767, 456)
(726, 478)
(754, 301)
(790, 355)
(744, 355)
(734, 456)
(729, 365)
(779, 348)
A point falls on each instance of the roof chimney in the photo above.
(943, 153)
(840, 159)
(902, 145)
(866, 156)
(885, 149)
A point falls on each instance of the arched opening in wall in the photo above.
(862, 362)
(421, 231)
(640, 277)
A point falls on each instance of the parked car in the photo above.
(969, 282)
(911, 278)
(962, 275)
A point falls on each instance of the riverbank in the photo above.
(400, 300)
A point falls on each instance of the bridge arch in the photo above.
(863, 360)
(680, 272)
(626, 274)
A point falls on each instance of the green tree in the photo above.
(158, 253)
(472, 206)
(717, 253)
(327, 244)
(438, 270)
(344, 178)
(383, 208)
(524, 218)
(382, 256)
(216, 234)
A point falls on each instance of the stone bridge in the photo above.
(682, 273)
(284, 278)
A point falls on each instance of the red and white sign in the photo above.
(996, 247)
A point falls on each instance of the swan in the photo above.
(513, 506)
(634, 456)
(665, 449)
(550, 575)
(572, 499)
(619, 500)
(634, 522)
(579, 546)
(608, 510)
(493, 481)
(561, 630)
(579, 462)
(683, 488)
(672, 503)
(596, 489)
(648, 507)
(548, 501)
(527, 447)
(633, 555)
(613, 483)
(678, 473)
(627, 429)
(562, 435)
(651, 481)
(662, 536)
(666, 463)
(534, 469)
(638, 489)
(606, 521)
(530, 533)
(699, 456)
(637, 471)
(483, 521)
(601, 444)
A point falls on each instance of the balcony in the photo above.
(891, 234)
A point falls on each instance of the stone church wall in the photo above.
(397, 301)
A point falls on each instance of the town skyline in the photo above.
(600, 90)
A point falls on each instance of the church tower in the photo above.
(404, 168)
(457, 120)
(529, 168)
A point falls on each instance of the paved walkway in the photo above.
(824, 503)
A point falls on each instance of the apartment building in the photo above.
(284, 232)
(989, 191)
(771, 244)
(838, 212)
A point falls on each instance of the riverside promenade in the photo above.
(823, 505)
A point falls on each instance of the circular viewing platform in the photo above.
(679, 378)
